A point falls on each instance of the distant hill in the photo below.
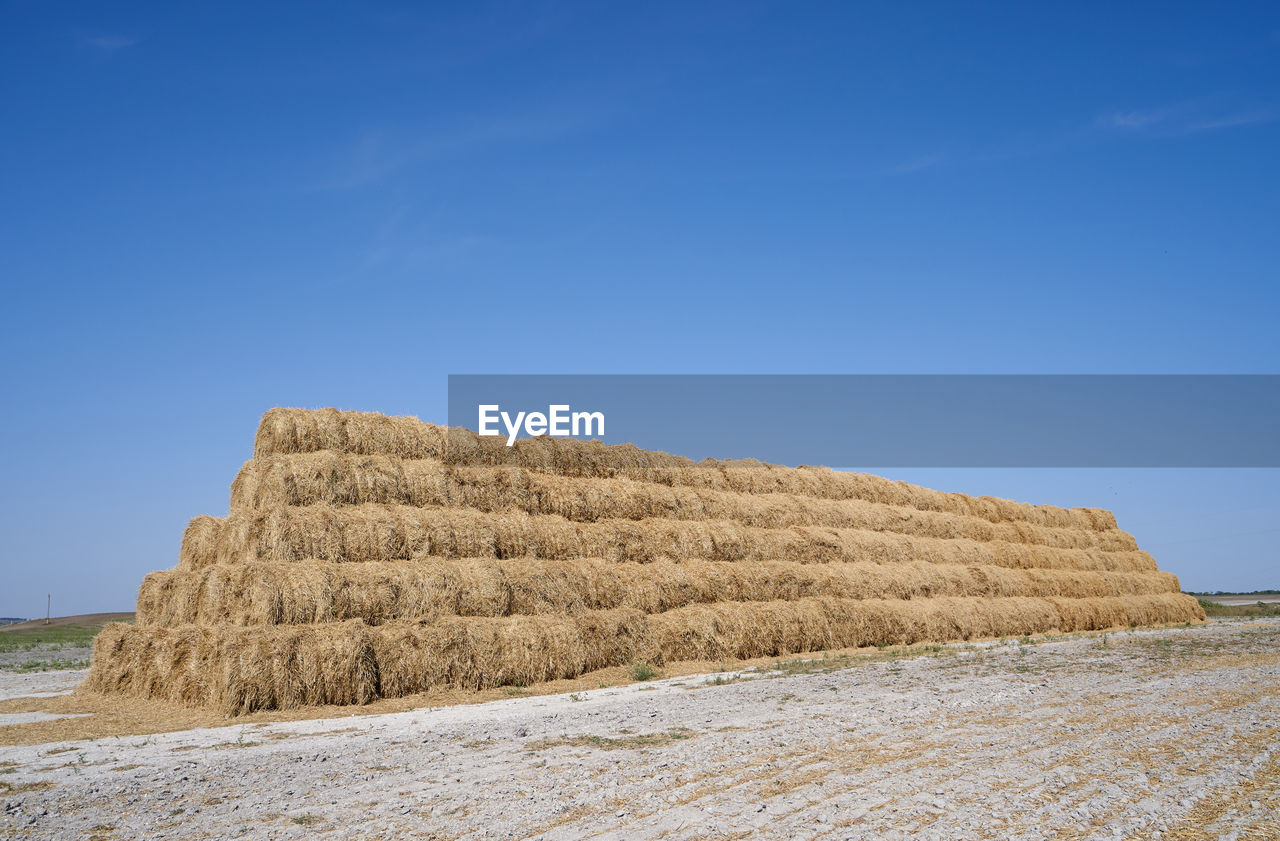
(10, 620)
(83, 622)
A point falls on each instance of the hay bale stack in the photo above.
(366, 556)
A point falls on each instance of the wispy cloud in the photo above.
(109, 43)
(406, 240)
(1189, 117)
(915, 165)
(1235, 120)
(1134, 119)
(379, 154)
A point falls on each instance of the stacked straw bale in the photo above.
(366, 556)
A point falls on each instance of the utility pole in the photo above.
(48, 608)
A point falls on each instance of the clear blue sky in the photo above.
(207, 212)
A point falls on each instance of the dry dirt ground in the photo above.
(1171, 734)
(58, 643)
(82, 620)
(1268, 598)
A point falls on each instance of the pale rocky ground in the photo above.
(55, 655)
(39, 684)
(1149, 734)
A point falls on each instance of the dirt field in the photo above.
(80, 622)
(65, 642)
(1233, 599)
(1168, 734)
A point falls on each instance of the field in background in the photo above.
(1228, 605)
(62, 630)
(65, 643)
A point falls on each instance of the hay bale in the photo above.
(201, 541)
(272, 593)
(238, 670)
(342, 479)
(241, 669)
(285, 431)
(360, 533)
(368, 557)
(303, 431)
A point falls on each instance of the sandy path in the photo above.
(1153, 734)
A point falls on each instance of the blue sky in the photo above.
(208, 212)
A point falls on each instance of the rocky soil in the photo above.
(52, 657)
(15, 684)
(1170, 734)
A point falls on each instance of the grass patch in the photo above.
(46, 666)
(1212, 608)
(52, 637)
(644, 740)
(62, 632)
(643, 671)
(307, 820)
(834, 663)
(22, 788)
(718, 680)
(813, 665)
